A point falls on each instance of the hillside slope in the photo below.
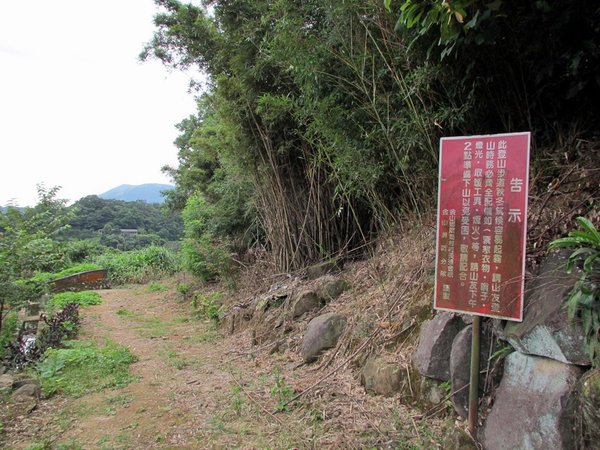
(149, 192)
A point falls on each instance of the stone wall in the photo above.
(537, 402)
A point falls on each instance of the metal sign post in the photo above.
(474, 378)
(481, 232)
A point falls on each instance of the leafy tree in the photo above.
(330, 112)
(92, 214)
(533, 62)
(293, 110)
(28, 244)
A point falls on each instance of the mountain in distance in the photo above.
(149, 192)
(3, 209)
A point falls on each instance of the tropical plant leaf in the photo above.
(590, 228)
(589, 262)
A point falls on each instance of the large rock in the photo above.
(331, 288)
(304, 302)
(546, 330)
(381, 377)
(459, 439)
(237, 317)
(323, 268)
(431, 392)
(6, 383)
(27, 392)
(534, 406)
(25, 399)
(432, 357)
(460, 367)
(322, 333)
(589, 408)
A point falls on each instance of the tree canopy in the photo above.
(322, 118)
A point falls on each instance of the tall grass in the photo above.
(139, 266)
(83, 367)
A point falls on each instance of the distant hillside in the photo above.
(19, 208)
(150, 193)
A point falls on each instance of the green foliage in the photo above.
(44, 277)
(27, 245)
(315, 122)
(502, 352)
(82, 367)
(551, 53)
(282, 392)
(237, 403)
(184, 289)
(321, 124)
(204, 254)
(27, 236)
(152, 221)
(138, 266)
(33, 288)
(124, 312)
(156, 287)
(583, 302)
(450, 19)
(9, 328)
(84, 298)
(208, 305)
(78, 251)
(206, 258)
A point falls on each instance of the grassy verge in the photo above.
(84, 298)
(82, 367)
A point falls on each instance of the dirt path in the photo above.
(186, 394)
(198, 388)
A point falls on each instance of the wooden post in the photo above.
(474, 379)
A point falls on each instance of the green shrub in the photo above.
(156, 287)
(138, 266)
(84, 298)
(282, 391)
(9, 328)
(206, 258)
(208, 305)
(43, 277)
(184, 289)
(81, 250)
(57, 327)
(43, 254)
(83, 367)
(583, 301)
(36, 286)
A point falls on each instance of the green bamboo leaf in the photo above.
(572, 303)
(590, 228)
(586, 299)
(564, 242)
(587, 323)
(405, 5)
(589, 261)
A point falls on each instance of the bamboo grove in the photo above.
(319, 121)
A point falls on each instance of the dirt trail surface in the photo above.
(197, 387)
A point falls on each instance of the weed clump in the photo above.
(138, 266)
(82, 367)
(83, 298)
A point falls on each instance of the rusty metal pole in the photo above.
(474, 379)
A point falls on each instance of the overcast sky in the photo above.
(77, 108)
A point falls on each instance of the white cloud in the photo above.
(77, 109)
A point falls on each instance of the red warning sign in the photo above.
(482, 225)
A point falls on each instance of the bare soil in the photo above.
(198, 387)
